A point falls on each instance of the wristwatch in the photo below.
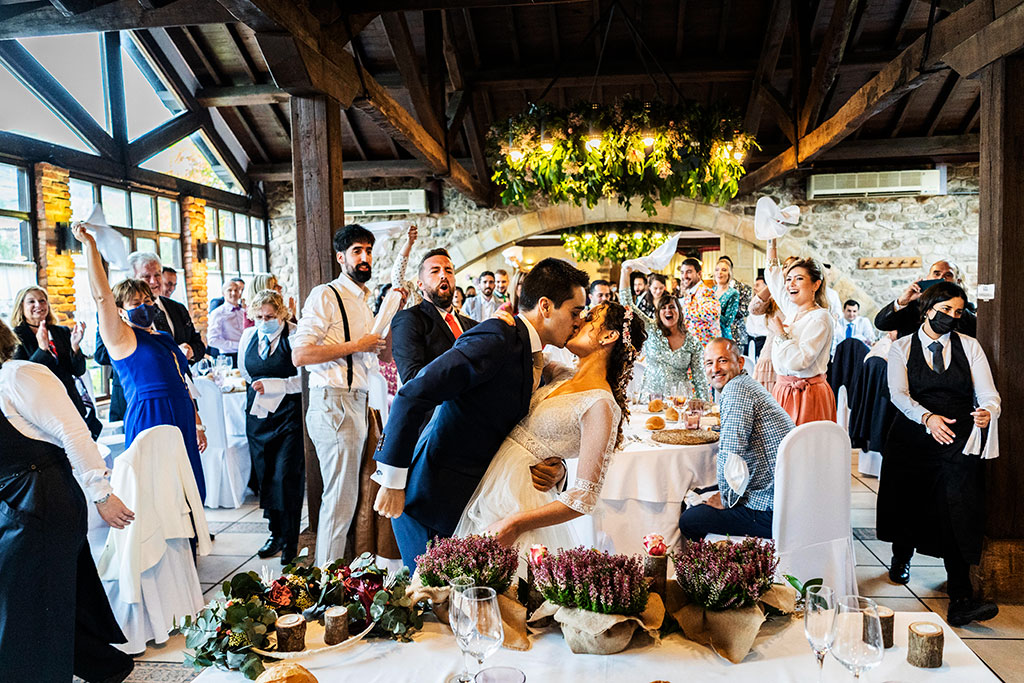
(102, 500)
(200, 427)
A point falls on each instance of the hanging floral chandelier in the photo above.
(650, 151)
(615, 242)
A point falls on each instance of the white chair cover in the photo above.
(870, 463)
(843, 409)
(748, 364)
(147, 568)
(226, 462)
(811, 523)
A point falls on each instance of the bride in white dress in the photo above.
(579, 416)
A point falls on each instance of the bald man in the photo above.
(904, 315)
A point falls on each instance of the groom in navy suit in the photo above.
(481, 389)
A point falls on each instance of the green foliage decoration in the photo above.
(615, 243)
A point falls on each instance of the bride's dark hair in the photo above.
(622, 356)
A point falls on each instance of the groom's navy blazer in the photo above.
(480, 388)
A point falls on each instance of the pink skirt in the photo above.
(805, 399)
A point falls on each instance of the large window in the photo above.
(17, 268)
(241, 247)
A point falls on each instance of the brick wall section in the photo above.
(56, 271)
(193, 228)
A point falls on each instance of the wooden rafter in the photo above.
(397, 30)
(971, 117)
(435, 74)
(945, 92)
(411, 5)
(241, 95)
(162, 137)
(244, 58)
(114, 16)
(250, 132)
(827, 67)
(350, 131)
(775, 102)
(775, 33)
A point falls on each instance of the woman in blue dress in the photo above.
(151, 366)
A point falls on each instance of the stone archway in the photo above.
(687, 213)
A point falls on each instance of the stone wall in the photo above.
(284, 256)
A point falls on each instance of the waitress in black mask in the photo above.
(931, 494)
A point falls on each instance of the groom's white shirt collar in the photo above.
(535, 342)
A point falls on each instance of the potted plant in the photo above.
(598, 599)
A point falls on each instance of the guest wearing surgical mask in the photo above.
(273, 420)
(150, 364)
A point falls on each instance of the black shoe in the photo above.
(272, 547)
(963, 611)
(289, 553)
(121, 675)
(899, 572)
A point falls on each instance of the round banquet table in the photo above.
(780, 653)
(643, 490)
(234, 412)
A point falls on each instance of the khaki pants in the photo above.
(337, 423)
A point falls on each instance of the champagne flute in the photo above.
(858, 634)
(820, 621)
(480, 632)
(459, 585)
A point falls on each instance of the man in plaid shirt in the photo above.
(753, 426)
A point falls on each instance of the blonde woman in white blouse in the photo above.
(800, 349)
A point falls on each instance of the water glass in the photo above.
(820, 621)
(458, 586)
(203, 367)
(858, 634)
(479, 631)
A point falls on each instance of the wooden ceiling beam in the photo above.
(242, 53)
(775, 33)
(162, 137)
(383, 6)
(1002, 37)
(241, 95)
(945, 92)
(971, 117)
(114, 16)
(775, 102)
(829, 57)
(397, 30)
(350, 130)
(458, 37)
(910, 70)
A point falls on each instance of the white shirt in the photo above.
(225, 327)
(480, 308)
(862, 329)
(290, 385)
(775, 279)
(806, 352)
(321, 324)
(985, 393)
(170, 324)
(36, 404)
(444, 314)
(756, 326)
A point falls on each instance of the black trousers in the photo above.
(700, 520)
(958, 570)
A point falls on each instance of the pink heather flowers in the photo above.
(594, 581)
(724, 575)
(481, 558)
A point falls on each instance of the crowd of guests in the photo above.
(762, 351)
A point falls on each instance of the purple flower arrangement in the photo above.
(594, 581)
(481, 558)
(720, 576)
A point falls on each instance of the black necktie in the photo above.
(937, 364)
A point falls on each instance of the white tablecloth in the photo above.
(234, 413)
(780, 654)
(643, 490)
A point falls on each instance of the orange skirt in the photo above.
(805, 399)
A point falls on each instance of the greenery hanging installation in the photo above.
(651, 151)
(615, 242)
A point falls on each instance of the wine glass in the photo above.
(479, 631)
(203, 367)
(459, 585)
(820, 621)
(858, 634)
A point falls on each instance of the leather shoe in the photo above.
(272, 547)
(288, 553)
(963, 611)
(899, 572)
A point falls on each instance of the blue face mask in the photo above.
(143, 315)
(268, 327)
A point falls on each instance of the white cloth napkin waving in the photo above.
(973, 445)
(657, 259)
(108, 240)
(770, 221)
(274, 390)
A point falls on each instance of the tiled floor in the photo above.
(999, 642)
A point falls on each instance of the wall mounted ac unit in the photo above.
(877, 184)
(385, 202)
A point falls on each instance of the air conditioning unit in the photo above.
(385, 202)
(877, 184)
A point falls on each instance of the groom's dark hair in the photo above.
(552, 278)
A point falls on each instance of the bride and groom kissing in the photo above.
(491, 458)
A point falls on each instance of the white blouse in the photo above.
(985, 393)
(806, 352)
(36, 404)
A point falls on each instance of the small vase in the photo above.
(656, 568)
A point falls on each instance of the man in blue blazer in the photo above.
(480, 389)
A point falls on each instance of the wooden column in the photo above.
(319, 211)
(1000, 327)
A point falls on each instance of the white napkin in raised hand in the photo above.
(973, 445)
(388, 309)
(263, 404)
(657, 259)
(770, 222)
(108, 241)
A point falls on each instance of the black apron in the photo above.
(931, 496)
(50, 593)
(275, 442)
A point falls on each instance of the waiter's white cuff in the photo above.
(896, 305)
(390, 477)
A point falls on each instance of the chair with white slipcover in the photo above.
(226, 461)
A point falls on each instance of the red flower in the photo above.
(280, 593)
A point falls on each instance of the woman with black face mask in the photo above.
(151, 366)
(931, 492)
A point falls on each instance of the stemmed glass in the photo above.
(479, 631)
(820, 621)
(459, 585)
(858, 634)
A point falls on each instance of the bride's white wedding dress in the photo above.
(581, 425)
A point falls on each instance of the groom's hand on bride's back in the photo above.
(389, 502)
(548, 473)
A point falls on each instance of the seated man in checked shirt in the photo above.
(753, 425)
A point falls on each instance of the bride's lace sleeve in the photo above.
(598, 429)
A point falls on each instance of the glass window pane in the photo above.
(170, 251)
(168, 216)
(14, 277)
(193, 158)
(15, 243)
(142, 212)
(82, 199)
(241, 227)
(261, 260)
(257, 230)
(214, 283)
(245, 262)
(227, 225)
(74, 60)
(145, 244)
(25, 114)
(13, 188)
(150, 102)
(115, 206)
(230, 265)
(116, 274)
